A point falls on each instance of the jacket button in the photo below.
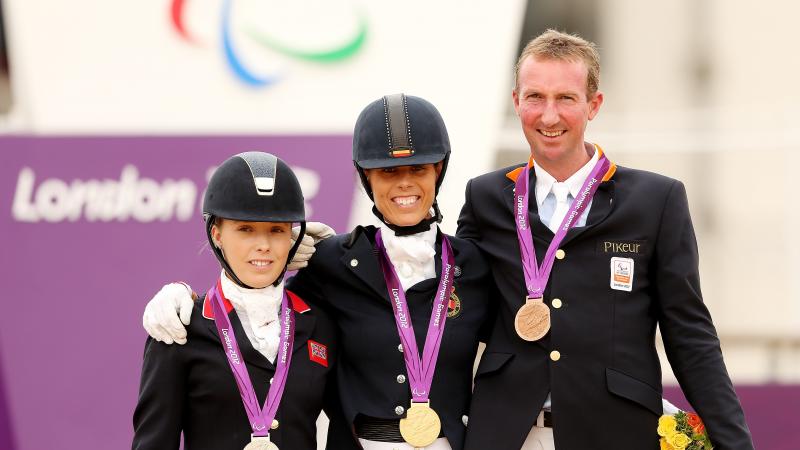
(560, 254)
(465, 419)
(555, 355)
(556, 303)
(353, 262)
(399, 410)
(400, 348)
(401, 378)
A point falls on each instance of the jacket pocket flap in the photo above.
(492, 361)
(638, 391)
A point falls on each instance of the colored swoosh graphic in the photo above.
(334, 54)
(176, 13)
(235, 62)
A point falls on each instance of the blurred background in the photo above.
(113, 114)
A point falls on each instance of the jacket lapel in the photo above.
(602, 205)
(360, 259)
(304, 326)
(539, 230)
(249, 353)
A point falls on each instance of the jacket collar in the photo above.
(360, 258)
(298, 305)
(602, 204)
(514, 173)
(304, 326)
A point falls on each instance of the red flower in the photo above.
(693, 420)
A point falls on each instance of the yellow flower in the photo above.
(679, 441)
(665, 445)
(667, 426)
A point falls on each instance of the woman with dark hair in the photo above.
(409, 301)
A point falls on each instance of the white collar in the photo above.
(258, 312)
(545, 181)
(234, 291)
(398, 244)
(412, 256)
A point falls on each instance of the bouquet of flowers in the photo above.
(683, 431)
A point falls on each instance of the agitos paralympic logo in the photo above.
(235, 62)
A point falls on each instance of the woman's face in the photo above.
(256, 251)
(404, 194)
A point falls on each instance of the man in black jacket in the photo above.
(625, 265)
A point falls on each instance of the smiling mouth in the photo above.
(554, 133)
(260, 263)
(406, 201)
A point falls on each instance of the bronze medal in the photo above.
(533, 319)
(421, 426)
(260, 443)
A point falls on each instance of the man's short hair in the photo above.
(554, 44)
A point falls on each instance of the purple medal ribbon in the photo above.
(420, 372)
(536, 277)
(260, 419)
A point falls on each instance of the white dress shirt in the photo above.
(546, 198)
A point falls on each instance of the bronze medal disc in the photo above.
(259, 443)
(533, 320)
(421, 426)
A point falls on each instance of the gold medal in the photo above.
(421, 426)
(260, 443)
(533, 319)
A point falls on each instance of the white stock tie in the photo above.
(561, 191)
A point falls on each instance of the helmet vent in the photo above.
(398, 127)
(263, 167)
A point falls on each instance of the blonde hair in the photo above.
(554, 44)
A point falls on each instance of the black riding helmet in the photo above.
(254, 187)
(400, 130)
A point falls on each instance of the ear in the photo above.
(515, 98)
(594, 104)
(438, 166)
(216, 236)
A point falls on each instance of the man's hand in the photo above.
(315, 232)
(161, 315)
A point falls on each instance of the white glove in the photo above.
(669, 408)
(160, 318)
(315, 232)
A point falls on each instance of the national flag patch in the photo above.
(401, 153)
(318, 353)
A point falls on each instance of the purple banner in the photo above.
(770, 410)
(93, 226)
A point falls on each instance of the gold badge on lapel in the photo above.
(454, 306)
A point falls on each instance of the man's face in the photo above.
(552, 105)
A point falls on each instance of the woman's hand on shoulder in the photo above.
(315, 232)
(168, 312)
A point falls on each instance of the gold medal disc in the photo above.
(421, 426)
(260, 443)
(533, 319)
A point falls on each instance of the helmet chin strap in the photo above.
(423, 225)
